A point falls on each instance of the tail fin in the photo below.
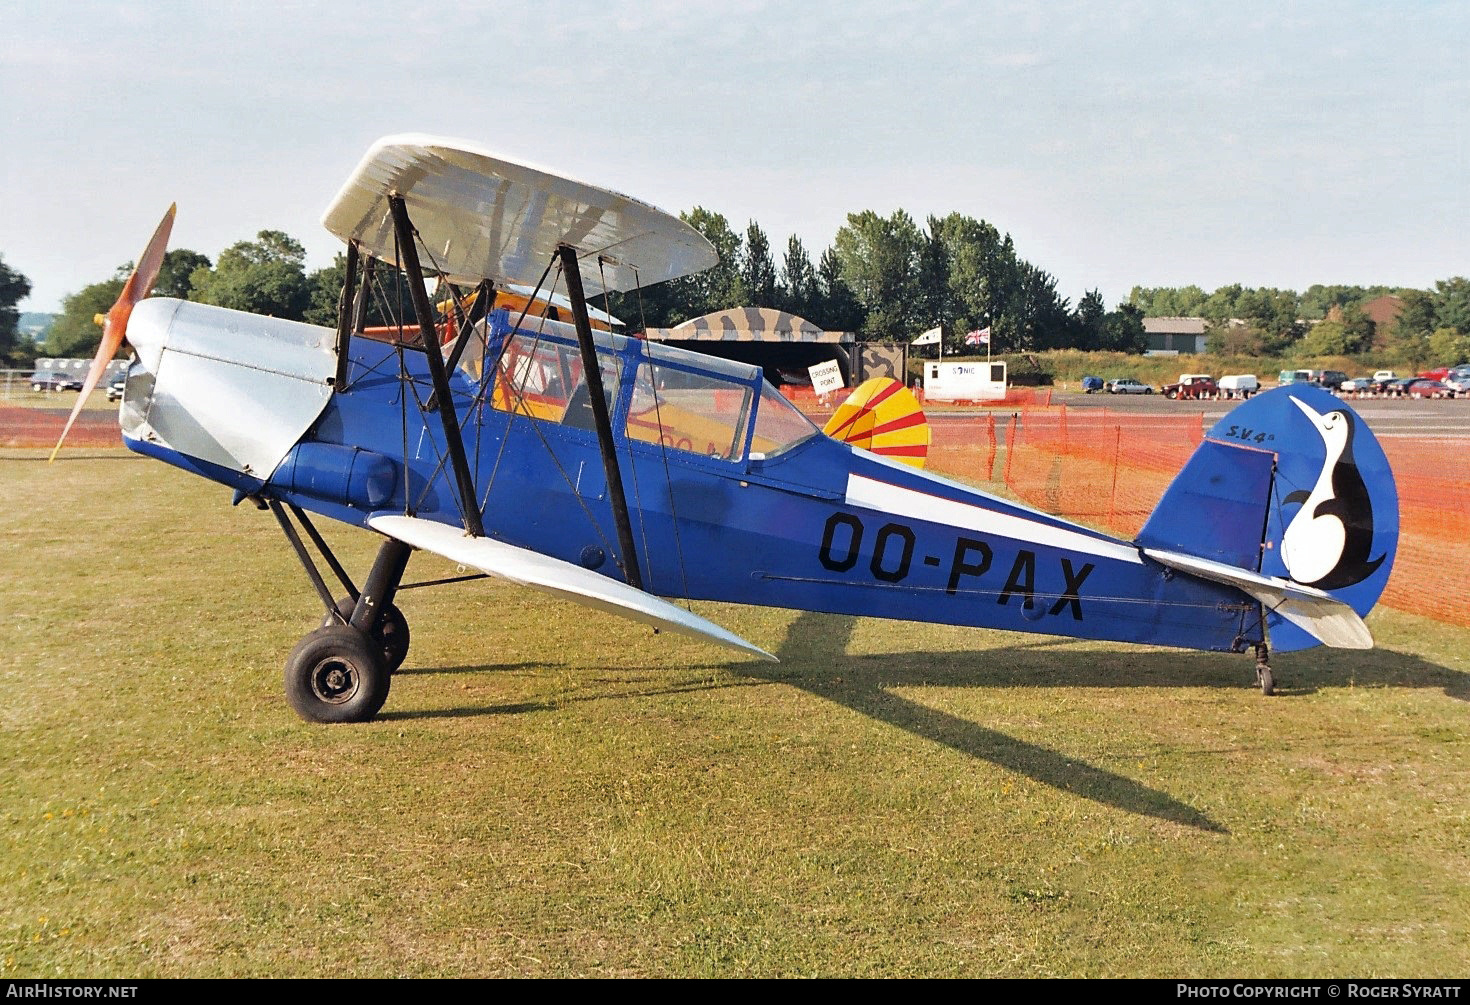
(1291, 499)
(883, 416)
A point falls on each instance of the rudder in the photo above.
(1293, 486)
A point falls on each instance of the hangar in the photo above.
(781, 343)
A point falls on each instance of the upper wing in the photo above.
(541, 572)
(482, 217)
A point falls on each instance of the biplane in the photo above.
(513, 431)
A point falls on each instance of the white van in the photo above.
(1239, 385)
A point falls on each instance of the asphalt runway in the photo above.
(1442, 419)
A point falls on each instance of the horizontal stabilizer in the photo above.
(552, 575)
(1330, 621)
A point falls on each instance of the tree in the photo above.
(980, 268)
(14, 288)
(1123, 330)
(264, 276)
(1447, 346)
(1452, 304)
(1089, 322)
(1168, 302)
(1327, 338)
(175, 276)
(324, 287)
(880, 264)
(797, 290)
(1040, 319)
(1416, 318)
(75, 331)
(936, 299)
(716, 288)
(837, 308)
(757, 269)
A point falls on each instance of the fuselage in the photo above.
(733, 495)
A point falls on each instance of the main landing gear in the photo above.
(341, 671)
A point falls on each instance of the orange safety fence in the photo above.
(1087, 465)
(31, 427)
(1433, 478)
(963, 448)
(1110, 471)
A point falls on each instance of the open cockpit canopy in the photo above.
(685, 401)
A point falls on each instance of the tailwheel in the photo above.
(336, 674)
(391, 635)
(1264, 676)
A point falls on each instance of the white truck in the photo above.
(960, 382)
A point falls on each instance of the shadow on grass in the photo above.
(815, 645)
(1059, 662)
(814, 659)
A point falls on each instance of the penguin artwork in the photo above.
(1326, 544)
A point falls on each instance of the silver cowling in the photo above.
(233, 389)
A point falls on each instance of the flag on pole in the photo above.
(930, 337)
(978, 337)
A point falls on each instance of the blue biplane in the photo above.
(511, 431)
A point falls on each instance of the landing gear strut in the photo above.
(1263, 670)
(341, 672)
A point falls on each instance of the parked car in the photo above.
(1460, 382)
(1239, 385)
(1356, 385)
(1382, 376)
(55, 380)
(1396, 388)
(1192, 385)
(1090, 384)
(115, 388)
(1438, 373)
(1127, 385)
(1294, 377)
(1332, 380)
(1423, 387)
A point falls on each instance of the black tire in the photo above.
(391, 635)
(336, 674)
(1267, 680)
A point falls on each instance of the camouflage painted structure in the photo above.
(781, 343)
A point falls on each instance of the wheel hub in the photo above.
(334, 681)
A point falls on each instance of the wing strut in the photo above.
(409, 258)
(593, 375)
(347, 313)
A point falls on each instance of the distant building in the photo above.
(1384, 312)
(1173, 336)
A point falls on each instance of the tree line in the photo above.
(887, 278)
(1432, 325)
(883, 277)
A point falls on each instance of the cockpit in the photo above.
(678, 401)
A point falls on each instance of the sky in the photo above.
(1126, 143)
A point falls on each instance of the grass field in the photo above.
(550, 792)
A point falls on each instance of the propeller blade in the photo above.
(115, 323)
